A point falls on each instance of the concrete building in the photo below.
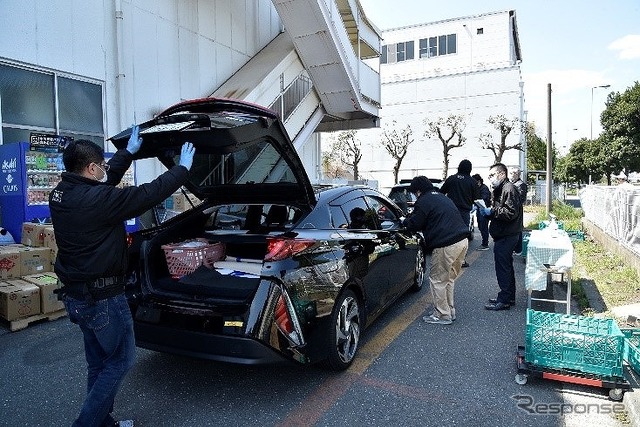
(465, 66)
(88, 69)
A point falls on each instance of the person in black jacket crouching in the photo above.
(88, 214)
(445, 234)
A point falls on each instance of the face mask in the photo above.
(495, 180)
(104, 175)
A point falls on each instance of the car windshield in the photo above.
(254, 163)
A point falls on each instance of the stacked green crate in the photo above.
(584, 344)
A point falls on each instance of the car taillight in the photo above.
(287, 322)
(283, 319)
(129, 240)
(280, 248)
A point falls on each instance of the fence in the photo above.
(615, 210)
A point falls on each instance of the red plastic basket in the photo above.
(184, 257)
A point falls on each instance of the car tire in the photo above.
(420, 268)
(344, 333)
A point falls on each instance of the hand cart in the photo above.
(616, 385)
(579, 350)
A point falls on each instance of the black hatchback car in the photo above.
(264, 267)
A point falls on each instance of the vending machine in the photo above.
(29, 172)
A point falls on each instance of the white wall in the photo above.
(171, 50)
(478, 81)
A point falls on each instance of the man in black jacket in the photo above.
(483, 221)
(88, 214)
(462, 190)
(521, 186)
(445, 234)
(505, 227)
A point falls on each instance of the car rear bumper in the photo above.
(221, 348)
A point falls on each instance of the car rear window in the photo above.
(255, 163)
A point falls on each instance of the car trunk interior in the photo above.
(214, 253)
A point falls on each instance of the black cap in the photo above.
(420, 183)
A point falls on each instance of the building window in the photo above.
(436, 46)
(45, 102)
(398, 52)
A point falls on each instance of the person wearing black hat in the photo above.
(445, 235)
(463, 190)
(483, 222)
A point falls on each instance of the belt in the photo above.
(104, 282)
(101, 288)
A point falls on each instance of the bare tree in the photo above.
(349, 150)
(332, 167)
(504, 126)
(449, 131)
(396, 145)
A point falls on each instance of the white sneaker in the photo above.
(125, 423)
(436, 320)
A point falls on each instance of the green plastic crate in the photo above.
(575, 235)
(544, 224)
(632, 348)
(525, 242)
(584, 344)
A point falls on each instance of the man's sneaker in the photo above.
(495, 300)
(517, 253)
(436, 320)
(483, 248)
(124, 423)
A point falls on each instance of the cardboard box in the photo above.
(50, 242)
(19, 298)
(9, 262)
(34, 260)
(33, 234)
(47, 282)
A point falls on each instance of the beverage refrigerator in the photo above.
(29, 172)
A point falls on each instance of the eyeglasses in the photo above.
(104, 166)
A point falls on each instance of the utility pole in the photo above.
(549, 150)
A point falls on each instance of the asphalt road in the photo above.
(408, 373)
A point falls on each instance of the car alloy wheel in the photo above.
(419, 270)
(345, 333)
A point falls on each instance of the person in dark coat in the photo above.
(445, 235)
(521, 186)
(88, 213)
(505, 227)
(462, 190)
(483, 222)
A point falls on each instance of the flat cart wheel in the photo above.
(616, 394)
(521, 379)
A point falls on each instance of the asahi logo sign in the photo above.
(9, 168)
(9, 165)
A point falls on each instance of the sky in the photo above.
(574, 45)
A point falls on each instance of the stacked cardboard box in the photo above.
(33, 234)
(47, 282)
(26, 280)
(19, 298)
